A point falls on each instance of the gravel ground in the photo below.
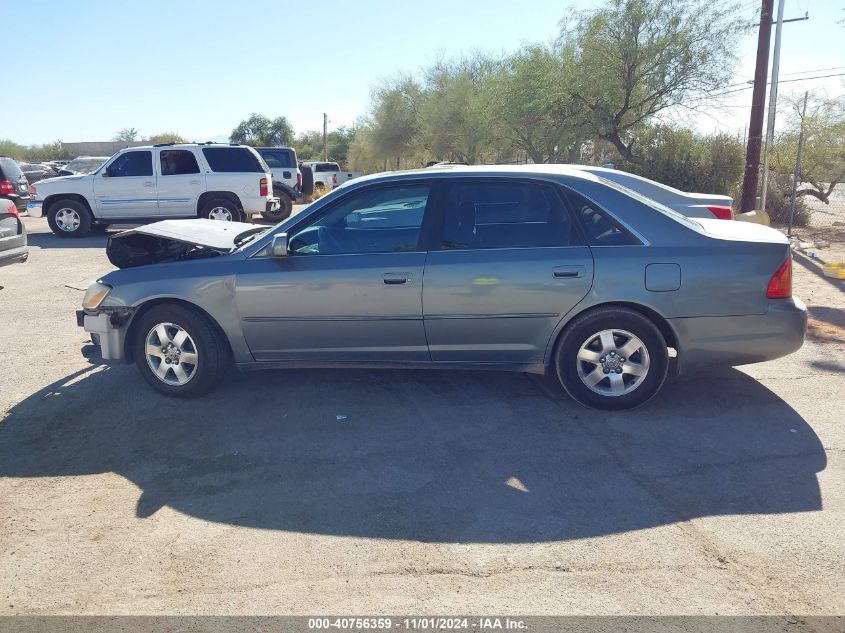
(440, 492)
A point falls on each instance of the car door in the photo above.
(350, 288)
(510, 264)
(179, 182)
(126, 186)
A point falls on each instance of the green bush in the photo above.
(777, 201)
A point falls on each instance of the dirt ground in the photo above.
(432, 493)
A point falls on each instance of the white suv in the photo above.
(147, 184)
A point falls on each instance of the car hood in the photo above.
(176, 240)
(59, 179)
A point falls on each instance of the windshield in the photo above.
(84, 165)
(682, 219)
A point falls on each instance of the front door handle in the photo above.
(148, 183)
(395, 279)
(569, 272)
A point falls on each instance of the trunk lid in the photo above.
(741, 231)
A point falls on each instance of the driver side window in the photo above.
(131, 164)
(377, 220)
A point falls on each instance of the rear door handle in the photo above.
(568, 272)
(148, 183)
(195, 182)
(395, 279)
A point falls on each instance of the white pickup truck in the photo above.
(146, 184)
(328, 175)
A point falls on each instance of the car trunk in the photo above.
(12, 234)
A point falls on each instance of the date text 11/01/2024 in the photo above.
(415, 624)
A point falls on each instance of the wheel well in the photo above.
(148, 305)
(659, 321)
(228, 195)
(49, 201)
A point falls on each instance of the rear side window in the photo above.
(232, 159)
(178, 161)
(9, 169)
(600, 229)
(278, 158)
(484, 215)
(131, 164)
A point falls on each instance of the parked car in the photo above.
(82, 165)
(13, 183)
(145, 184)
(36, 171)
(693, 205)
(13, 246)
(287, 179)
(326, 174)
(527, 268)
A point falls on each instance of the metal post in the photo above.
(758, 104)
(797, 166)
(325, 137)
(773, 102)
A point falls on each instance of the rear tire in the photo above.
(69, 218)
(178, 351)
(283, 212)
(220, 209)
(612, 358)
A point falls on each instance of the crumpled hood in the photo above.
(175, 240)
(214, 234)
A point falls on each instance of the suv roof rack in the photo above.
(164, 144)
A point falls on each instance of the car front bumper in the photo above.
(35, 208)
(106, 330)
(740, 340)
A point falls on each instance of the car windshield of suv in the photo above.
(85, 165)
(326, 167)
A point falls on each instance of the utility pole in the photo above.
(797, 166)
(758, 103)
(325, 137)
(773, 104)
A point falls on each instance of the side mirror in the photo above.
(105, 173)
(279, 246)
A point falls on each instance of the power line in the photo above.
(783, 81)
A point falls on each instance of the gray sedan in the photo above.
(535, 269)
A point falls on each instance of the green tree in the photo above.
(167, 137)
(633, 59)
(530, 110)
(258, 131)
(395, 119)
(823, 155)
(126, 135)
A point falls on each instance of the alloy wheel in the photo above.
(612, 362)
(171, 354)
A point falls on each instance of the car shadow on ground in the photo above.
(436, 456)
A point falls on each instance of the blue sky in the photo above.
(197, 68)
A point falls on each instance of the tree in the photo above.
(167, 137)
(395, 118)
(633, 59)
(258, 131)
(126, 135)
(530, 110)
(823, 155)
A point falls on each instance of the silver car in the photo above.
(694, 205)
(534, 268)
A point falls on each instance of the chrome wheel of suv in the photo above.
(68, 220)
(220, 213)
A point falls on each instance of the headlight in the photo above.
(94, 295)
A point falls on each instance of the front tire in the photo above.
(283, 212)
(69, 218)
(612, 358)
(178, 351)
(220, 209)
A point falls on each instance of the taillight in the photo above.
(780, 285)
(723, 213)
(262, 187)
(334, 180)
(6, 187)
(299, 180)
(13, 211)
